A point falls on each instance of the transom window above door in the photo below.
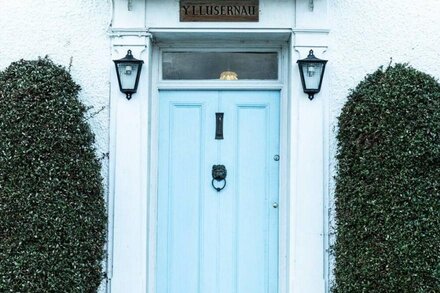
(186, 65)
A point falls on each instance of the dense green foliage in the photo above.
(388, 185)
(52, 209)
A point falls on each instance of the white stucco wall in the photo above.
(64, 30)
(366, 34)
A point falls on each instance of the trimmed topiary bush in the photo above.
(52, 210)
(388, 185)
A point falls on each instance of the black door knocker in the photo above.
(219, 174)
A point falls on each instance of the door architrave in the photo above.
(282, 84)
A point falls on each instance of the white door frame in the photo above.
(280, 84)
(304, 174)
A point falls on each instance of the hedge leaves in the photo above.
(388, 185)
(52, 210)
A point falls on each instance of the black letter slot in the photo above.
(219, 125)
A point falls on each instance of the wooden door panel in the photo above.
(211, 241)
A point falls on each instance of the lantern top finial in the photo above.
(311, 58)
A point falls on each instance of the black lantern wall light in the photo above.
(128, 70)
(311, 70)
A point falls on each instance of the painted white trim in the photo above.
(327, 209)
(303, 36)
(303, 175)
(128, 176)
(280, 85)
(308, 190)
(284, 187)
(153, 165)
(311, 31)
(123, 33)
(158, 30)
(220, 85)
(219, 30)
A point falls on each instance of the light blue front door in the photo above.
(210, 241)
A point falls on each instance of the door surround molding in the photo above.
(279, 85)
(304, 174)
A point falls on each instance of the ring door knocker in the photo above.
(219, 174)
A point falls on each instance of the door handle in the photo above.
(219, 174)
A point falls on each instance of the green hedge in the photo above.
(388, 185)
(52, 209)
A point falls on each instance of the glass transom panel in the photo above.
(220, 66)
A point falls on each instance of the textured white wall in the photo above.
(64, 30)
(367, 33)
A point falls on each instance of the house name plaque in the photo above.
(219, 10)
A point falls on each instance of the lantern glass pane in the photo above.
(312, 74)
(220, 65)
(127, 74)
